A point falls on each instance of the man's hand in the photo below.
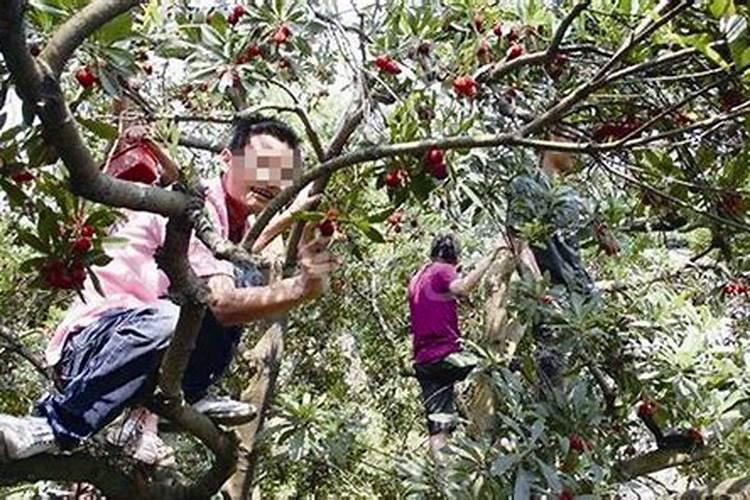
(303, 201)
(317, 264)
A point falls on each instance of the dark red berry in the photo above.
(327, 228)
(82, 245)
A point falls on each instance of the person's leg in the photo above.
(107, 367)
(438, 400)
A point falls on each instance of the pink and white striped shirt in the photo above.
(132, 278)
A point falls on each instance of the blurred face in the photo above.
(260, 171)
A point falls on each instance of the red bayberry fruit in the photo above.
(86, 78)
(387, 65)
(252, 51)
(512, 34)
(237, 12)
(547, 299)
(282, 35)
(578, 444)
(327, 228)
(35, 49)
(395, 178)
(647, 409)
(695, 435)
(424, 48)
(77, 273)
(498, 30)
(82, 245)
(434, 156)
(88, 231)
(567, 495)
(439, 170)
(515, 50)
(22, 177)
(465, 86)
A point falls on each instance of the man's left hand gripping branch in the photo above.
(105, 354)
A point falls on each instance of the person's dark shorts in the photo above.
(437, 380)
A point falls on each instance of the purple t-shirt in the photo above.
(434, 313)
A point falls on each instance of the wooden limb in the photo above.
(657, 460)
(266, 359)
(737, 488)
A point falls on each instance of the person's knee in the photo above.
(162, 325)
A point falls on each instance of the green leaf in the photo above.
(502, 464)
(16, 196)
(32, 264)
(718, 7)
(369, 231)
(101, 129)
(119, 28)
(522, 488)
(550, 474)
(32, 240)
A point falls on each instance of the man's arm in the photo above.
(464, 286)
(236, 306)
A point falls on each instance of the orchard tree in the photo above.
(443, 103)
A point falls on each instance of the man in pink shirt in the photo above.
(436, 335)
(107, 350)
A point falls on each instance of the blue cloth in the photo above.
(113, 364)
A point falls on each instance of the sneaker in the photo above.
(225, 411)
(22, 437)
(138, 438)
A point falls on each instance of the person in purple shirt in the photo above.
(436, 335)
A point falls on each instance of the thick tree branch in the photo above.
(41, 92)
(191, 293)
(116, 478)
(658, 460)
(736, 488)
(79, 27)
(562, 29)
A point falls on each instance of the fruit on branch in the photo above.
(578, 444)
(82, 245)
(387, 65)
(696, 436)
(35, 49)
(435, 163)
(327, 228)
(465, 86)
(22, 177)
(567, 495)
(396, 178)
(735, 288)
(424, 48)
(86, 77)
(237, 12)
(515, 50)
(70, 277)
(88, 231)
(282, 35)
(434, 156)
(498, 30)
(647, 408)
